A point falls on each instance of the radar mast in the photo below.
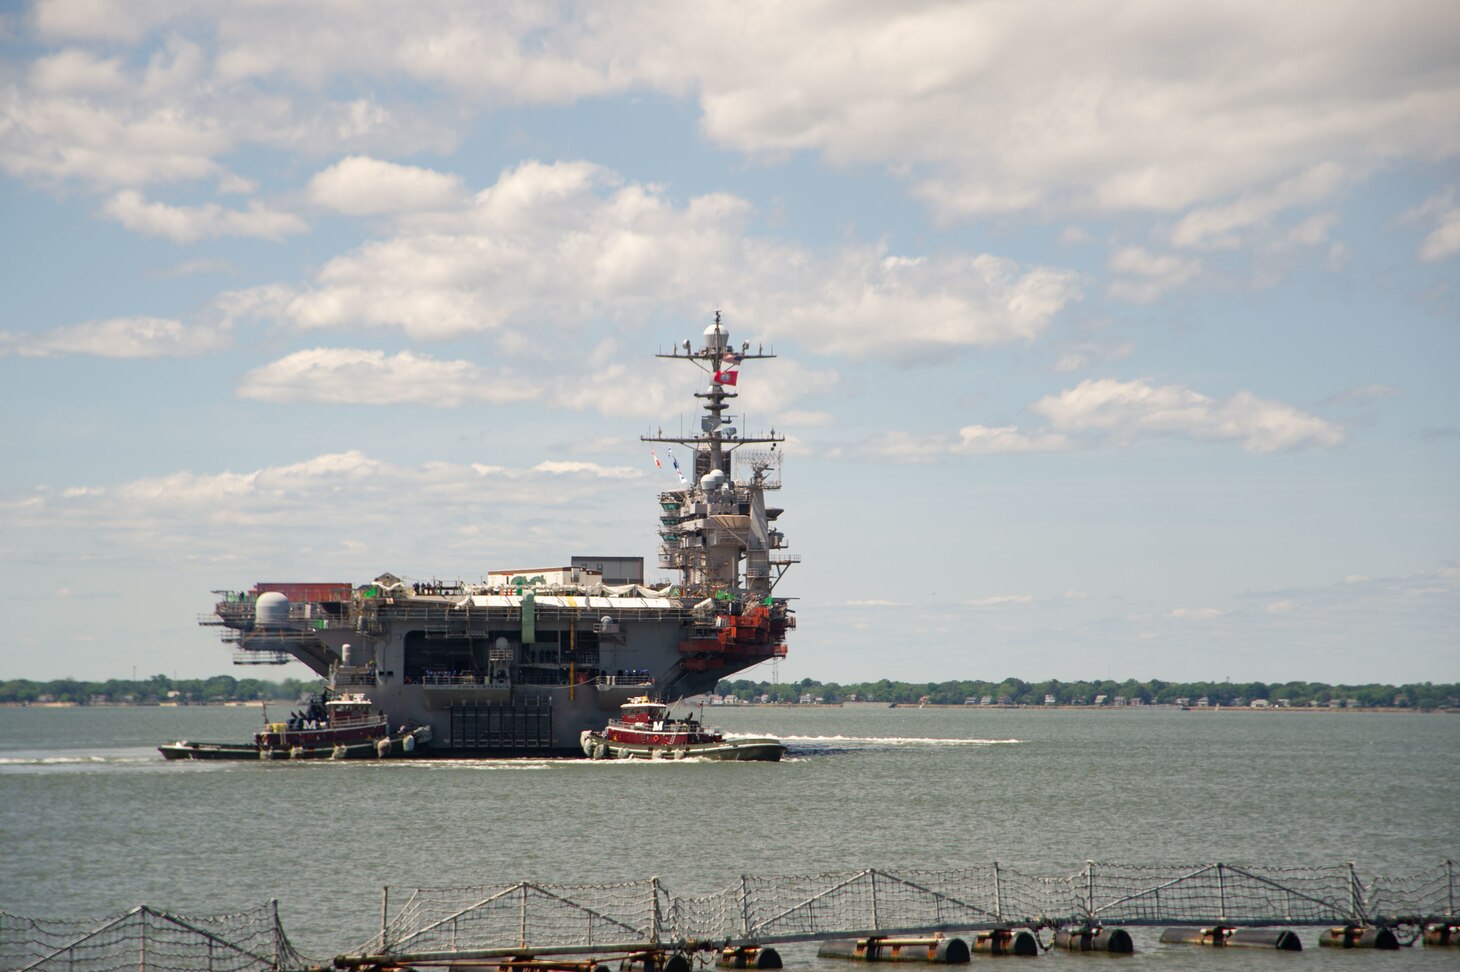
(716, 531)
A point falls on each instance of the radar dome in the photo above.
(716, 337)
(713, 480)
(271, 608)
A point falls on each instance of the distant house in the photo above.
(1049, 700)
(971, 700)
(1260, 703)
(1184, 700)
(1120, 700)
(1203, 702)
(1099, 700)
(987, 700)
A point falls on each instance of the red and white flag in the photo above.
(726, 377)
(657, 463)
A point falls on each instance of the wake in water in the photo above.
(24, 761)
(832, 745)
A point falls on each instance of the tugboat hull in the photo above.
(408, 744)
(763, 750)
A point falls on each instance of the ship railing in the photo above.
(450, 678)
(352, 721)
(631, 679)
(347, 677)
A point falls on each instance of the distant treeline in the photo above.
(154, 690)
(1013, 691)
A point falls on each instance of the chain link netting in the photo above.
(755, 909)
(146, 938)
(874, 901)
(451, 919)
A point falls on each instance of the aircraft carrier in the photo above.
(526, 660)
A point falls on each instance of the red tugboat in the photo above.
(330, 727)
(647, 730)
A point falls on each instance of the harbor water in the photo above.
(93, 821)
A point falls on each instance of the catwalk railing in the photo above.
(527, 918)
(147, 938)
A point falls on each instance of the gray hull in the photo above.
(498, 674)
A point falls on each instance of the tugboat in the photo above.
(645, 729)
(330, 727)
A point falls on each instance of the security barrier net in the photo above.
(428, 926)
(871, 901)
(146, 938)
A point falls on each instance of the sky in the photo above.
(1114, 339)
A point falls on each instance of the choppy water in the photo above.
(93, 821)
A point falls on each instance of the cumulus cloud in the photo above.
(1120, 410)
(121, 337)
(1220, 227)
(1441, 216)
(1142, 276)
(971, 440)
(333, 493)
(188, 224)
(350, 376)
(356, 376)
(1220, 107)
(362, 186)
(1363, 393)
(592, 469)
(1001, 600)
(1107, 412)
(570, 242)
(868, 303)
(1194, 614)
(1080, 355)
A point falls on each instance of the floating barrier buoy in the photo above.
(382, 748)
(408, 743)
(1005, 941)
(750, 957)
(1359, 936)
(1080, 938)
(941, 951)
(296, 752)
(339, 752)
(656, 962)
(551, 965)
(1221, 936)
(1441, 935)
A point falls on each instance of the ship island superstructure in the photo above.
(527, 660)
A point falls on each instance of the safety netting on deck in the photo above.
(148, 938)
(874, 901)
